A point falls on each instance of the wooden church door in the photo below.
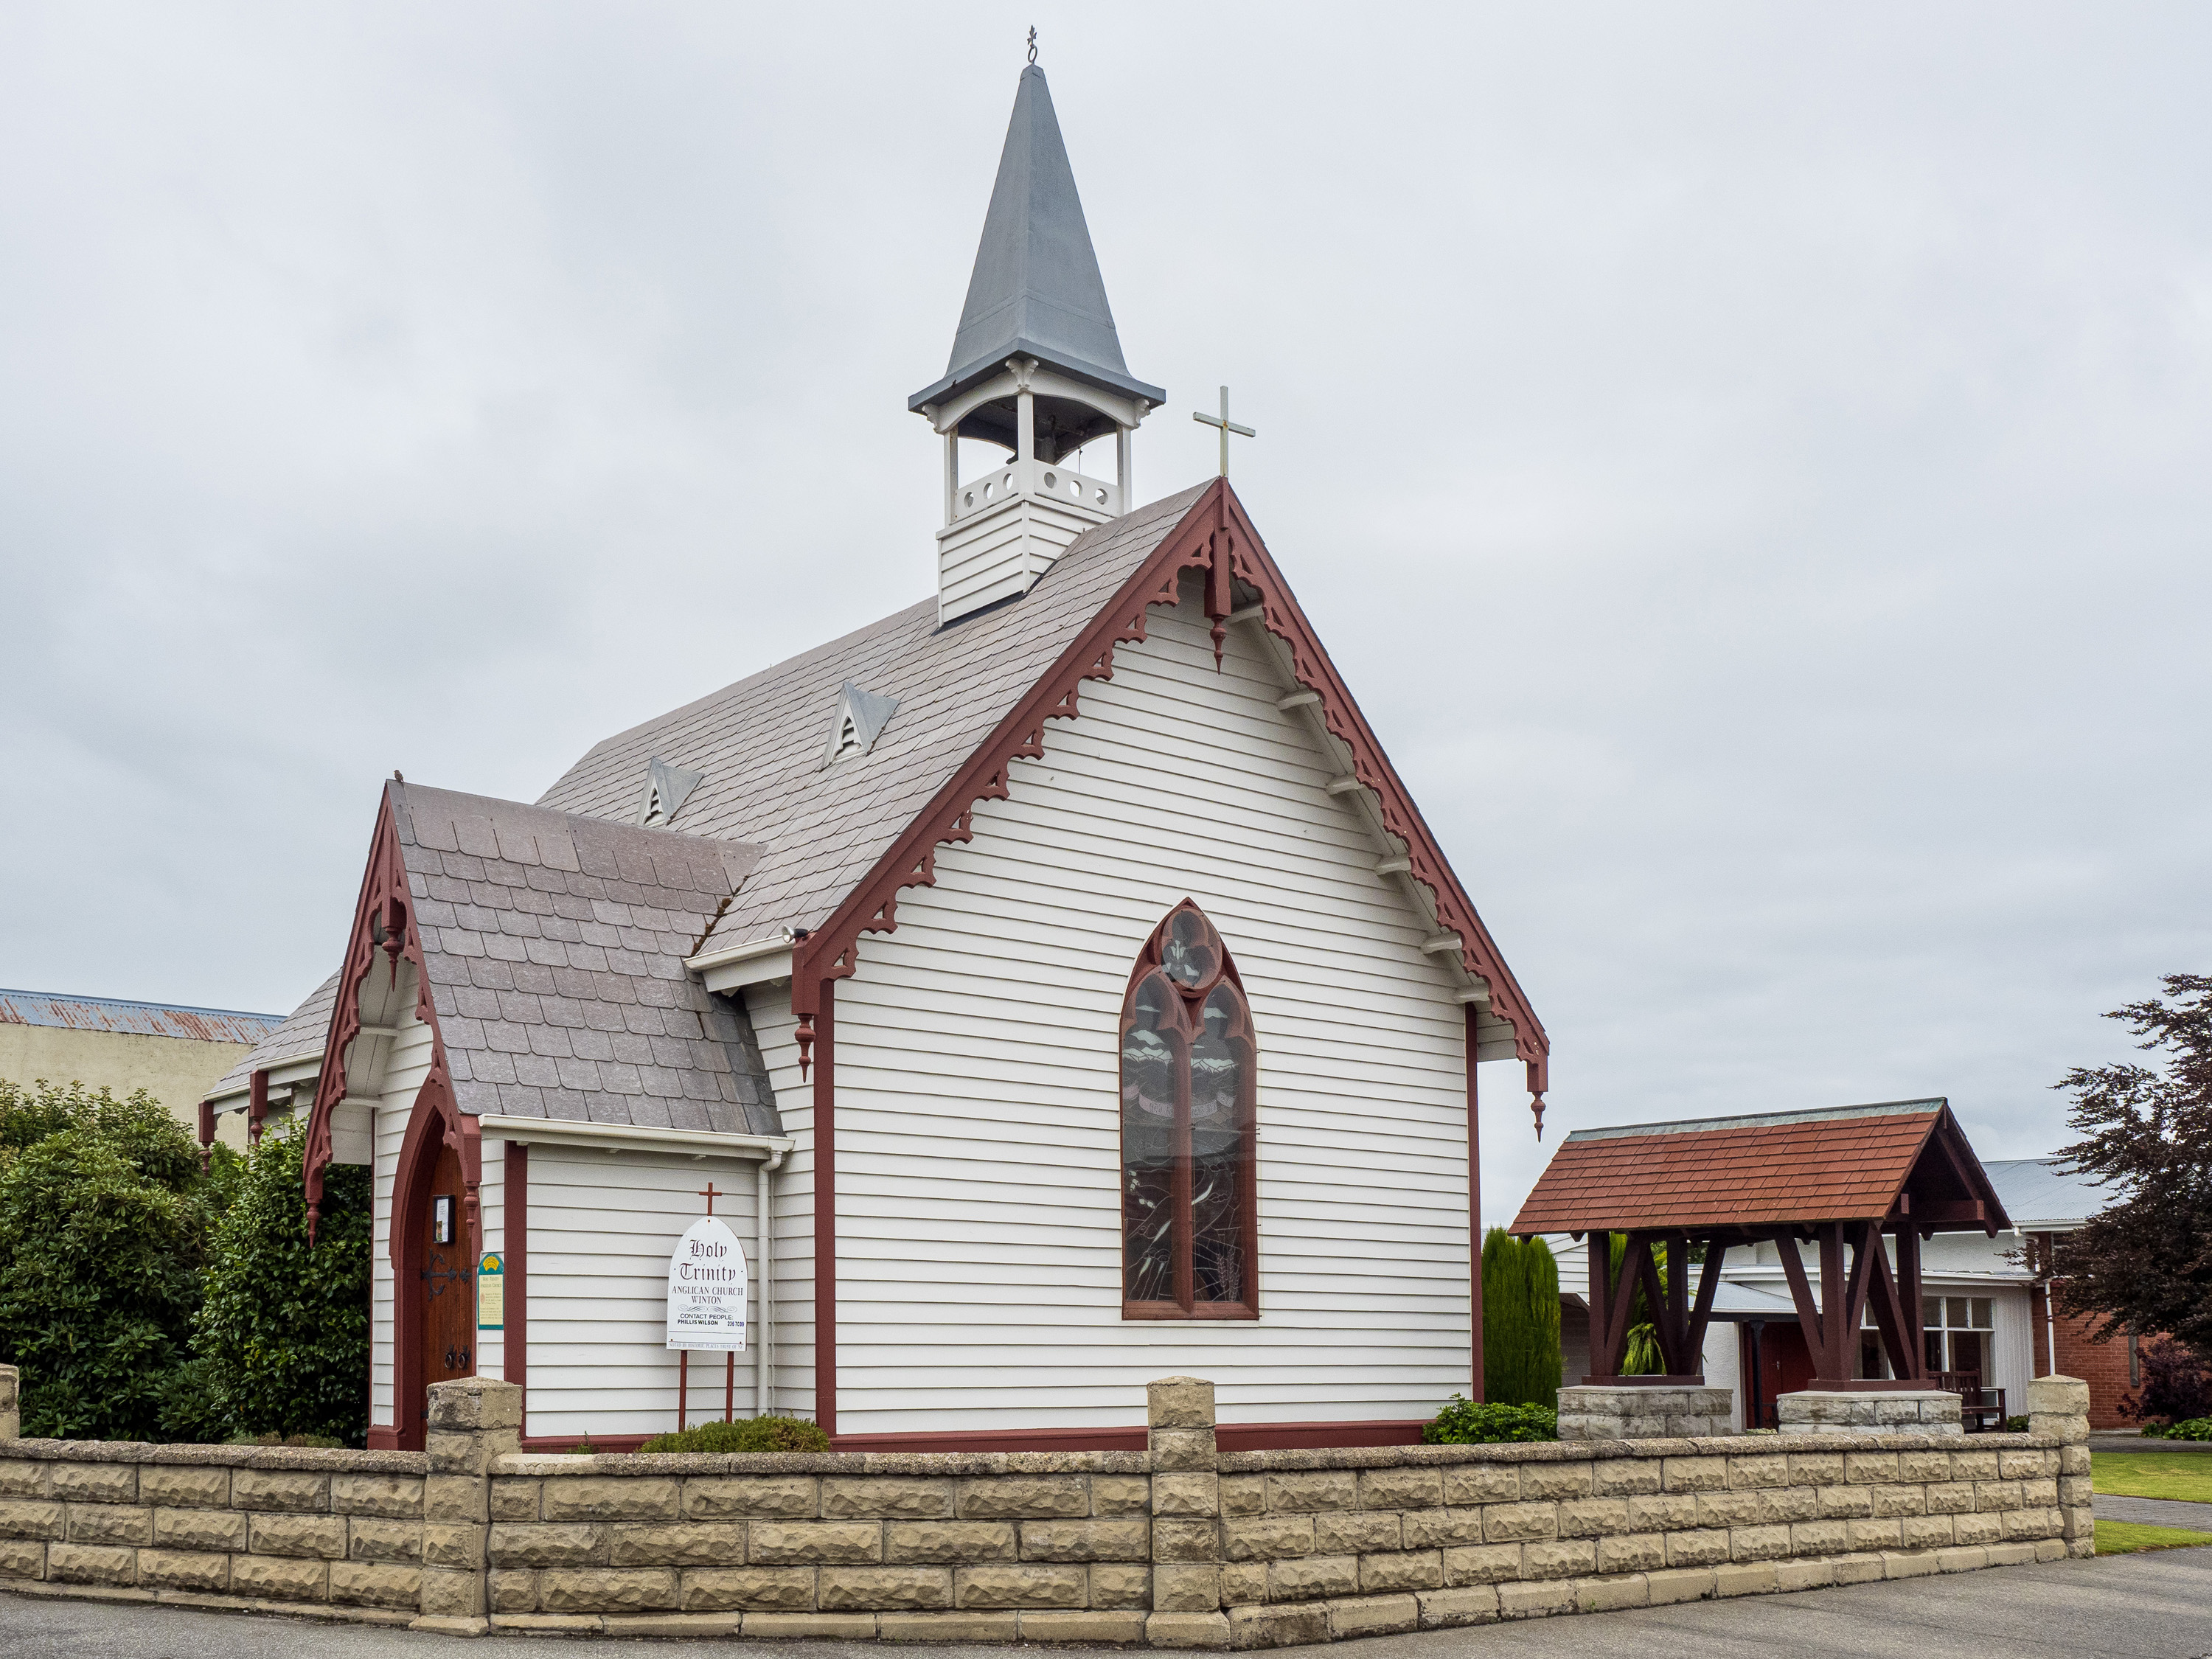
(445, 1287)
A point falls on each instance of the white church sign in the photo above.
(707, 1289)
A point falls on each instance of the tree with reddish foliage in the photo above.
(2175, 1388)
(2145, 1262)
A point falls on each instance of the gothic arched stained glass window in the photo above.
(1189, 1071)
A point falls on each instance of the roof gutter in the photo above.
(756, 962)
(618, 1137)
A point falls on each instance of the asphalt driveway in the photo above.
(2153, 1606)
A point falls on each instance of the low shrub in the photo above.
(2194, 1428)
(747, 1434)
(1463, 1423)
(2015, 1425)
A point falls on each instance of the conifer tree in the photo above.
(1520, 1320)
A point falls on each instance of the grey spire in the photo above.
(1035, 291)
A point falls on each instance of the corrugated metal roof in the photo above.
(2040, 1193)
(162, 1019)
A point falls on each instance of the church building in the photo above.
(1053, 981)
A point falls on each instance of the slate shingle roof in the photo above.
(759, 742)
(554, 945)
(301, 1036)
(1774, 1169)
(817, 830)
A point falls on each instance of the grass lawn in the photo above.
(2125, 1537)
(2153, 1475)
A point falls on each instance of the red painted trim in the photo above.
(383, 1437)
(1474, 1216)
(569, 1442)
(387, 907)
(432, 1125)
(825, 1208)
(516, 1348)
(1230, 1436)
(1215, 531)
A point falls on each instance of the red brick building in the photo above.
(2045, 1203)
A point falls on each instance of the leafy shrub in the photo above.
(1463, 1423)
(747, 1434)
(2015, 1425)
(283, 1333)
(104, 1222)
(2177, 1383)
(2194, 1428)
(1520, 1320)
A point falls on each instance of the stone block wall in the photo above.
(1180, 1546)
(1634, 1411)
(1903, 1411)
(261, 1527)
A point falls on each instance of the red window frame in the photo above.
(1192, 989)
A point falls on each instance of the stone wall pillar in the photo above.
(1627, 1411)
(2059, 1406)
(1914, 1411)
(11, 1414)
(473, 1422)
(1186, 1516)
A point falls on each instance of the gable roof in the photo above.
(299, 1037)
(836, 845)
(1775, 1168)
(159, 1020)
(759, 741)
(1036, 290)
(553, 946)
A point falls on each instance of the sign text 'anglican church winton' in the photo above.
(707, 1289)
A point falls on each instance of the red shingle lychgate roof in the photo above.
(1778, 1169)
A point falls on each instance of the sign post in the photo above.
(707, 1303)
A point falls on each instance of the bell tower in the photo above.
(1037, 369)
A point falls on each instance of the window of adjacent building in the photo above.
(1959, 1332)
(1189, 1076)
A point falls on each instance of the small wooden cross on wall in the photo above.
(710, 1195)
(1227, 425)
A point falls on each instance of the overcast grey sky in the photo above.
(1750, 462)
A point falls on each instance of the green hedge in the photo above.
(1463, 1423)
(282, 1341)
(747, 1434)
(104, 1219)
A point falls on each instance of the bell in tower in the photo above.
(1037, 369)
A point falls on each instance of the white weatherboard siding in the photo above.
(408, 1064)
(404, 1071)
(978, 1111)
(602, 1227)
(792, 1215)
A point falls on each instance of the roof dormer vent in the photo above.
(667, 786)
(858, 721)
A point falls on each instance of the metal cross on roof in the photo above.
(1227, 427)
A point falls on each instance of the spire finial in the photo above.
(1033, 43)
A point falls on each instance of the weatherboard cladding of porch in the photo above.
(1744, 1175)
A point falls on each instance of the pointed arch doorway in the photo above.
(434, 1273)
